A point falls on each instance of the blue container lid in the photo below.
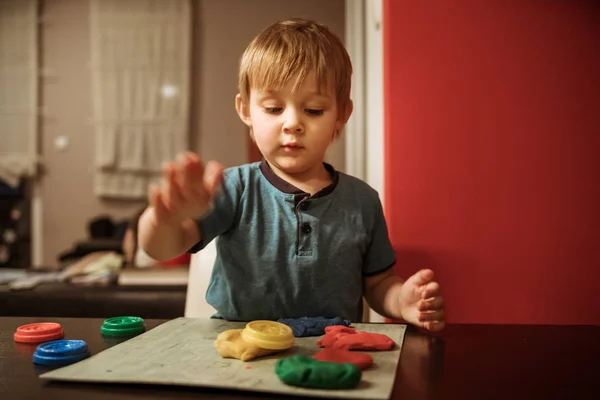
(61, 352)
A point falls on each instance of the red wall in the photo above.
(492, 132)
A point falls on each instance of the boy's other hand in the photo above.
(421, 302)
(187, 190)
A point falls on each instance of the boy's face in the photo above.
(292, 129)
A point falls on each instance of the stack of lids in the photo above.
(61, 352)
(39, 332)
(123, 326)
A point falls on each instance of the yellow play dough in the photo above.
(229, 344)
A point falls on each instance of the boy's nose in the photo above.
(297, 129)
(293, 124)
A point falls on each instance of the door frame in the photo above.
(365, 128)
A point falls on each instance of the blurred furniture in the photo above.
(104, 234)
(66, 300)
(15, 226)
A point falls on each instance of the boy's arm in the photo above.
(417, 300)
(164, 241)
(379, 293)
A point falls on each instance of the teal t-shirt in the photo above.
(282, 253)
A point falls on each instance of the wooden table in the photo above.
(464, 362)
(51, 300)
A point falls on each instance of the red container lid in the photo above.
(39, 332)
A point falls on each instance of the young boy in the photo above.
(296, 238)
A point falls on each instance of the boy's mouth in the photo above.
(291, 147)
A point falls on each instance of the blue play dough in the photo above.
(312, 326)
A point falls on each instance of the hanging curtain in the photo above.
(140, 60)
(18, 90)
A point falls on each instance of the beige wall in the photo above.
(223, 29)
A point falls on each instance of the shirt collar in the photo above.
(286, 187)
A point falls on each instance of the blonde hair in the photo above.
(292, 49)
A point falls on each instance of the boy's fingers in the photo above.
(152, 195)
(180, 187)
(160, 206)
(156, 201)
(179, 167)
(431, 316)
(432, 289)
(196, 167)
(173, 193)
(167, 180)
(436, 303)
(193, 157)
(189, 167)
(194, 171)
(213, 177)
(186, 181)
(421, 278)
(434, 326)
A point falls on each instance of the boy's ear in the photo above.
(242, 110)
(346, 116)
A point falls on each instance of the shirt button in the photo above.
(304, 206)
(306, 228)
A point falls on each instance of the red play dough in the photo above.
(361, 360)
(343, 337)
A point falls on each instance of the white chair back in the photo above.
(201, 266)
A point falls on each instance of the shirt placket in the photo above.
(304, 227)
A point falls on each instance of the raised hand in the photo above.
(187, 189)
(421, 302)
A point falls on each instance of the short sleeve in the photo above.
(222, 214)
(380, 255)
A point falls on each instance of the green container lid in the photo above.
(123, 326)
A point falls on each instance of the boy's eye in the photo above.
(314, 112)
(273, 110)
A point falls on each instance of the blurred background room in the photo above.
(476, 121)
(94, 96)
